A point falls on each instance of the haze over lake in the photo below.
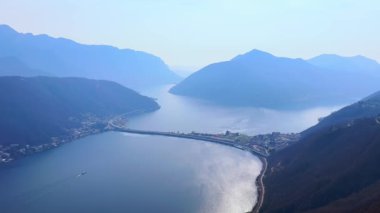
(186, 114)
(146, 173)
(185, 106)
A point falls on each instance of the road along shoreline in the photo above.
(260, 186)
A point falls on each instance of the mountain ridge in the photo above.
(67, 58)
(33, 110)
(12, 66)
(329, 167)
(261, 79)
(347, 63)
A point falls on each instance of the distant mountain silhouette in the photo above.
(11, 66)
(63, 57)
(357, 64)
(260, 79)
(35, 109)
(334, 168)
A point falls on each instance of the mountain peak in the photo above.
(4, 26)
(7, 29)
(255, 53)
(364, 58)
(339, 57)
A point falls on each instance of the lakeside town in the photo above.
(88, 125)
(263, 144)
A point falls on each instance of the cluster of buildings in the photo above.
(89, 125)
(263, 144)
(274, 141)
(13, 151)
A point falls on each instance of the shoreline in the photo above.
(260, 186)
(28, 150)
(259, 180)
(93, 125)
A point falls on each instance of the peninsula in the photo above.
(40, 113)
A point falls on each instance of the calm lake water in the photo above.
(134, 173)
(131, 173)
(186, 114)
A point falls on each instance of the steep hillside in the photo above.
(334, 168)
(366, 108)
(34, 110)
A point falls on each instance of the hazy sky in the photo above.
(194, 33)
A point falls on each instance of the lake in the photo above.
(188, 114)
(135, 173)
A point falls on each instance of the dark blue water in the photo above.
(131, 173)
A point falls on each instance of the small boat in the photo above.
(82, 173)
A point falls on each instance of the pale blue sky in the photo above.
(194, 33)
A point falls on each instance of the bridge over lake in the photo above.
(194, 136)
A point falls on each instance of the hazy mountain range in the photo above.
(11, 66)
(334, 168)
(65, 58)
(35, 109)
(261, 79)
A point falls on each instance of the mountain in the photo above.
(334, 168)
(65, 58)
(346, 64)
(36, 109)
(366, 108)
(263, 80)
(361, 73)
(10, 66)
